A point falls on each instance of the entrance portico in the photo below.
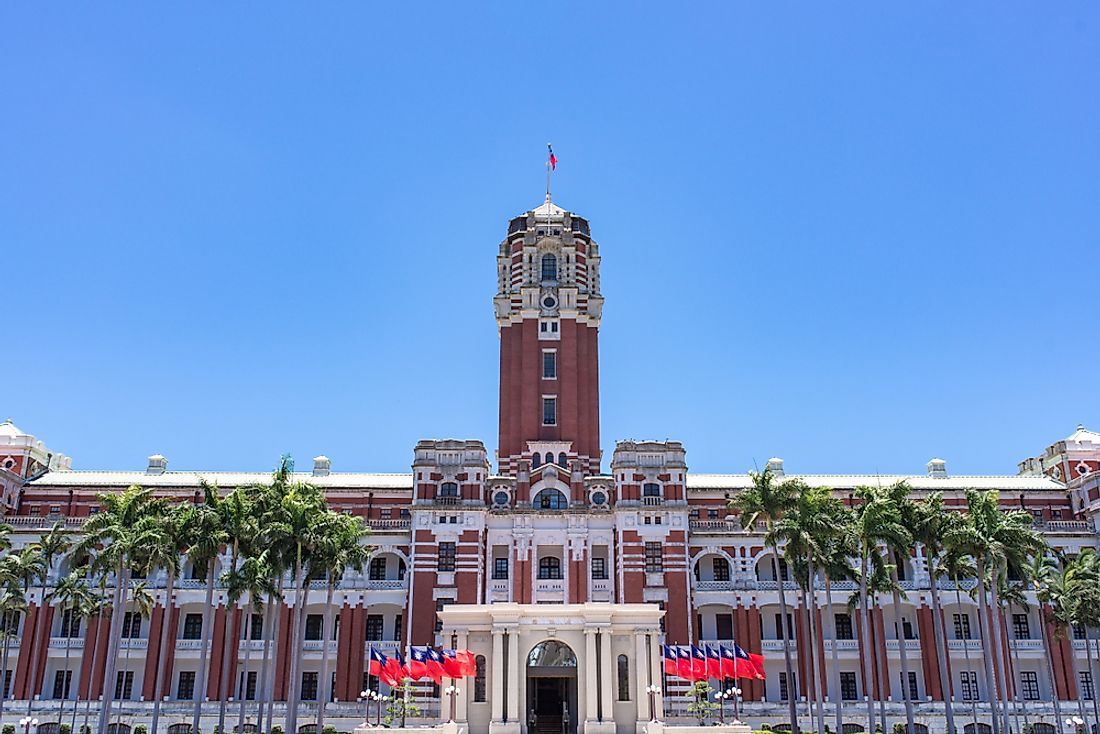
(558, 668)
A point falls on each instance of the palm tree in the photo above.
(98, 605)
(835, 566)
(23, 568)
(128, 523)
(174, 534)
(142, 603)
(768, 501)
(1012, 593)
(898, 546)
(5, 536)
(53, 544)
(239, 529)
(1038, 574)
(252, 580)
(207, 538)
(341, 548)
(13, 603)
(68, 596)
(1078, 595)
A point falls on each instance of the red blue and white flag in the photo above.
(553, 158)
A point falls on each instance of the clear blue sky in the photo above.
(854, 236)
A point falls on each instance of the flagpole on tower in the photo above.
(549, 168)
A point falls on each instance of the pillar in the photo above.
(466, 684)
(591, 711)
(608, 682)
(496, 676)
(515, 676)
(641, 676)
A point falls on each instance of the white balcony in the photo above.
(601, 590)
(73, 643)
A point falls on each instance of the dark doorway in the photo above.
(551, 689)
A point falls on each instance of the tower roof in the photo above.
(548, 209)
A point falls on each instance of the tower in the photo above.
(548, 308)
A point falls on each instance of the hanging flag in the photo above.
(669, 658)
(468, 662)
(683, 662)
(394, 671)
(756, 661)
(418, 663)
(377, 664)
(698, 663)
(435, 665)
(452, 666)
(714, 663)
(736, 667)
(553, 158)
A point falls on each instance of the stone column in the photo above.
(496, 676)
(641, 676)
(466, 684)
(654, 672)
(609, 674)
(515, 675)
(590, 690)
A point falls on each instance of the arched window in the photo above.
(549, 267)
(624, 678)
(721, 569)
(118, 729)
(550, 499)
(651, 490)
(179, 729)
(562, 461)
(1040, 727)
(852, 728)
(307, 729)
(536, 460)
(979, 729)
(448, 489)
(50, 727)
(549, 567)
(479, 679)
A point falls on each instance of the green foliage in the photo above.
(700, 705)
(65, 729)
(328, 729)
(9, 729)
(400, 708)
(85, 729)
(899, 729)
(765, 727)
(276, 729)
(139, 729)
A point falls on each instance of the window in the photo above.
(500, 568)
(1029, 685)
(599, 568)
(256, 626)
(377, 569)
(907, 629)
(723, 624)
(962, 626)
(651, 492)
(448, 489)
(439, 606)
(969, 687)
(131, 625)
(479, 679)
(11, 622)
(654, 559)
(712, 514)
(784, 572)
(315, 624)
(370, 682)
(192, 627)
(249, 686)
(563, 462)
(61, 681)
(397, 627)
(549, 365)
(721, 569)
(446, 556)
(124, 684)
(624, 678)
(843, 624)
(198, 573)
(549, 268)
(185, 689)
(536, 460)
(309, 686)
(779, 627)
(848, 686)
(784, 692)
(549, 567)
(549, 411)
(1020, 627)
(374, 628)
(912, 685)
(1087, 691)
(7, 683)
(1078, 631)
(550, 499)
(70, 624)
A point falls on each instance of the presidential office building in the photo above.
(563, 579)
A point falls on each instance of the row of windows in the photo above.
(549, 568)
(536, 460)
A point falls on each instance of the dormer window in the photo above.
(549, 268)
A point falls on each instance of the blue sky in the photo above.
(852, 235)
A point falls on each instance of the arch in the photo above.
(563, 462)
(386, 566)
(118, 729)
(49, 727)
(550, 499)
(549, 267)
(536, 460)
(448, 489)
(979, 729)
(765, 571)
(550, 567)
(1041, 727)
(179, 729)
(479, 679)
(703, 564)
(850, 728)
(551, 654)
(622, 668)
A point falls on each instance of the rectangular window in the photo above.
(1029, 685)
(439, 605)
(192, 627)
(962, 626)
(309, 686)
(969, 687)
(185, 689)
(907, 628)
(779, 627)
(912, 685)
(712, 514)
(1087, 691)
(377, 569)
(848, 686)
(7, 683)
(397, 627)
(1020, 627)
(70, 624)
(500, 568)
(315, 626)
(446, 557)
(1078, 631)
(61, 681)
(784, 692)
(549, 411)
(721, 569)
(549, 365)
(599, 568)
(374, 628)
(370, 682)
(249, 686)
(256, 631)
(131, 625)
(479, 679)
(654, 558)
(723, 624)
(843, 624)
(124, 684)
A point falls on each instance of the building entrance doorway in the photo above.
(551, 689)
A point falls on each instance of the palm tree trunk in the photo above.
(227, 639)
(966, 655)
(65, 675)
(1050, 666)
(835, 676)
(1076, 670)
(804, 617)
(295, 650)
(204, 662)
(883, 666)
(940, 634)
(815, 657)
(326, 682)
(1021, 704)
(114, 638)
(32, 674)
(902, 650)
(126, 663)
(95, 661)
(1092, 676)
(163, 655)
(983, 623)
(269, 681)
(4, 666)
(865, 633)
(998, 654)
(791, 704)
(246, 634)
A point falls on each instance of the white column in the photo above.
(515, 675)
(607, 665)
(466, 684)
(655, 672)
(641, 676)
(590, 691)
(496, 676)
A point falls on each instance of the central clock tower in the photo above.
(548, 307)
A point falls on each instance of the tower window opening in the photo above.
(549, 268)
(536, 460)
(549, 411)
(550, 499)
(549, 365)
(549, 567)
(448, 489)
(562, 461)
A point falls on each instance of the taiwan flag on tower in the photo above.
(553, 158)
